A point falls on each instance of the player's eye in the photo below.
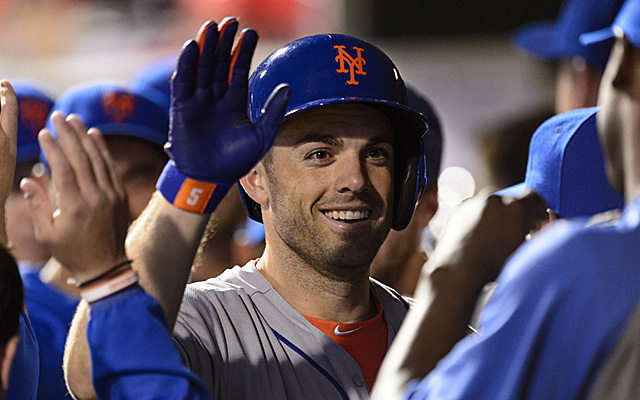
(318, 155)
(377, 153)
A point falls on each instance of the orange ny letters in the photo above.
(355, 64)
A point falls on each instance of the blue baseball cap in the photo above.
(33, 109)
(115, 110)
(154, 81)
(558, 39)
(566, 167)
(432, 140)
(628, 19)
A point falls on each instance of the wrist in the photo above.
(196, 196)
(109, 284)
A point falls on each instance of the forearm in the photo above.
(439, 319)
(162, 244)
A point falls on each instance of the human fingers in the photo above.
(40, 209)
(71, 144)
(183, 79)
(9, 113)
(274, 110)
(241, 58)
(116, 182)
(94, 155)
(227, 29)
(207, 39)
(62, 173)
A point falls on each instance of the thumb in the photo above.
(272, 114)
(9, 110)
(39, 207)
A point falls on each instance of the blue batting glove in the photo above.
(212, 143)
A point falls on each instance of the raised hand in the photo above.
(211, 139)
(8, 146)
(87, 229)
(483, 232)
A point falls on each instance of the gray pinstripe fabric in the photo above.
(227, 332)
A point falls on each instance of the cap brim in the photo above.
(539, 39)
(598, 36)
(513, 191)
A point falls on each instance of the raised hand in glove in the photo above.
(212, 142)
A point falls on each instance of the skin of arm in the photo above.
(8, 145)
(478, 239)
(163, 270)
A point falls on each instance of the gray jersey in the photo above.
(246, 342)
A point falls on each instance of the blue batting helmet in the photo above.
(329, 69)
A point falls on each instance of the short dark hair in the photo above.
(11, 296)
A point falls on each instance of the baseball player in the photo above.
(135, 129)
(566, 168)
(562, 300)
(579, 68)
(305, 320)
(21, 375)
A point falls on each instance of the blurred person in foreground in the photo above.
(20, 362)
(34, 107)
(305, 320)
(566, 168)
(579, 68)
(135, 130)
(562, 300)
(400, 258)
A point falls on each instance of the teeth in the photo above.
(347, 215)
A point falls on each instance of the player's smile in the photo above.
(348, 219)
(331, 183)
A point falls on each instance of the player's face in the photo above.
(331, 185)
(138, 163)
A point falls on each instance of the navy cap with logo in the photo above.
(558, 39)
(114, 110)
(627, 20)
(33, 109)
(566, 167)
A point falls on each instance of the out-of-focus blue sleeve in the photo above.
(23, 381)
(561, 303)
(132, 354)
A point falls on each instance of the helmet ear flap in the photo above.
(410, 182)
(253, 209)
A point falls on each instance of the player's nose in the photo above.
(351, 174)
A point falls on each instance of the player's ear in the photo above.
(255, 184)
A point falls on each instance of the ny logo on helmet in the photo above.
(355, 64)
(119, 106)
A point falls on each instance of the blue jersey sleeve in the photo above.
(132, 353)
(559, 308)
(23, 381)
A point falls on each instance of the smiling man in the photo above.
(340, 171)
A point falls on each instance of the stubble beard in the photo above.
(348, 261)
